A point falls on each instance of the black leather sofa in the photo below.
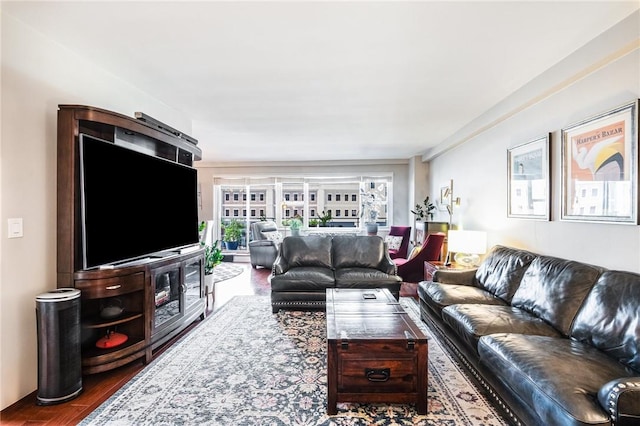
(307, 266)
(555, 341)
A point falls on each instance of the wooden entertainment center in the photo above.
(147, 300)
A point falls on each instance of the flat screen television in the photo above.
(133, 204)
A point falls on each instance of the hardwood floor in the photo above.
(99, 387)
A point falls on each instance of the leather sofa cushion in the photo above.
(358, 251)
(559, 376)
(554, 289)
(610, 318)
(471, 322)
(501, 271)
(349, 277)
(307, 251)
(305, 278)
(438, 296)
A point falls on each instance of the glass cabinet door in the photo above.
(193, 271)
(167, 295)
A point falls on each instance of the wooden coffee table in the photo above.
(376, 353)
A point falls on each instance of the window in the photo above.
(281, 198)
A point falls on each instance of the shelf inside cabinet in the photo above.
(97, 322)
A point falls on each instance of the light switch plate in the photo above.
(15, 227)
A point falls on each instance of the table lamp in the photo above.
(467, 246)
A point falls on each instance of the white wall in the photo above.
(602, 75)
(37, 75)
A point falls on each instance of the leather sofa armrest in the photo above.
(261, 243)
(280, 265)
(387, 265)
(455, 276)
(621, 399)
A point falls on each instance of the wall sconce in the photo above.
(467, 246)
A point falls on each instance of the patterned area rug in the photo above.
(226, 270)
(247, 366)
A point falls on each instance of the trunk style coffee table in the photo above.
(376, 353)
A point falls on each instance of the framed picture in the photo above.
(600, 168)
(529, 180)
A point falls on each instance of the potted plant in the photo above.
(324, 218)
(423, 211)
(295, 224)
(212, 257)
(232, 234)
(369, 211)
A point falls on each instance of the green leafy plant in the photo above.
(324, 218)
(424, 211)
(232, 231)
(295, 223)
(212, 254)
(212, 257)
(313, 222)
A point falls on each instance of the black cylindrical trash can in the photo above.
(59, 362)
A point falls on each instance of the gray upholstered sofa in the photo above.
(263, 247)
(307, 266)
(554, 340)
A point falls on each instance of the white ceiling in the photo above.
(301, 80)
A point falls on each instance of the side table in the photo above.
(431, 266)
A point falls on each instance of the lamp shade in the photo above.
(467, 243)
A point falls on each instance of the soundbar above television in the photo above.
(133, 204)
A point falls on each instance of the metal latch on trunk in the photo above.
(411, 340)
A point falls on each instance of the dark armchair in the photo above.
(412, 270)
(403, 250)
(263, 247)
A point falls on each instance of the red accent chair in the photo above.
(405, 233)
(412, 270)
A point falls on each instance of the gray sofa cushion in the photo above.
(501, 271)
(307, 251)
(554, 289)
(358, 251)
(560, 377)
(610, 318)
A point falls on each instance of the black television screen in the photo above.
(133, 204)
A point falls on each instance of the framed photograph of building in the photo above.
(529, 180)
(600, 168)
